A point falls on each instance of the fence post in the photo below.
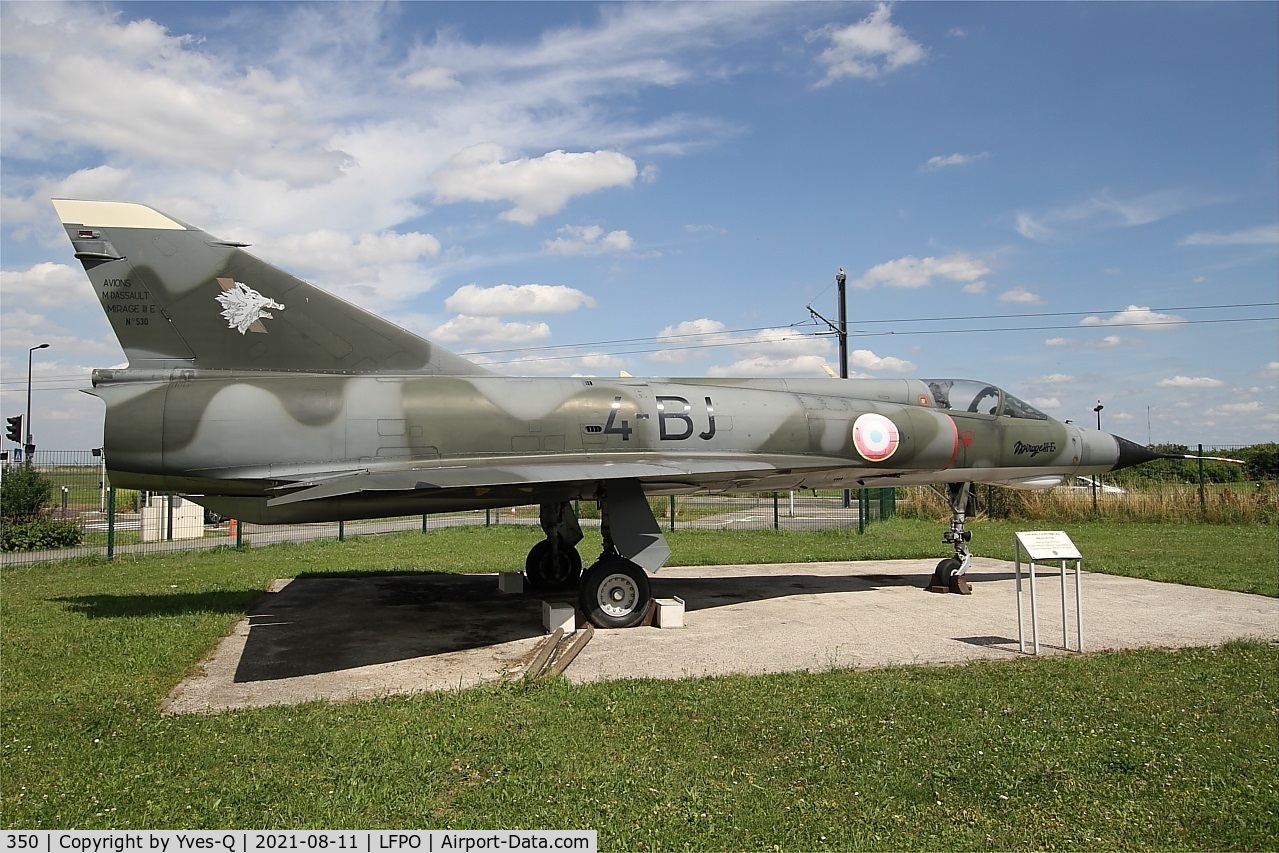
(110, 523)
(488, 517)
(672, 513)
(777, 521)
(423, 522)
(861, 510)
(341, 531)
(239, 534)
(1203, 500)
(168, 517)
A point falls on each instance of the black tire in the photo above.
(615, 593)
(941, 575)
(545, 574)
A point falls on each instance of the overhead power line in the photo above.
(722, 338)
(904, 333)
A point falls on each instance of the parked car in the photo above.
(1084, 484)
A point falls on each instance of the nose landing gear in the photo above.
(949, 574)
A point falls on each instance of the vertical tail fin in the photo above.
(177, 296)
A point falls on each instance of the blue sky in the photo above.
(1079, 202)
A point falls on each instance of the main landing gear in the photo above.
(554, 564)
(949, 574)
(615, 591)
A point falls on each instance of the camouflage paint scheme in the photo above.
(278, 402)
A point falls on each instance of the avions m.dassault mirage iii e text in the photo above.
(276, 402)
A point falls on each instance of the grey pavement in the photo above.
(340, 639)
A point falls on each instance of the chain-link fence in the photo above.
(100, 520)
(82, 515)
(1243, 491)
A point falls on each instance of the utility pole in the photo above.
(841, 281)
(841, 332)
(840, 329)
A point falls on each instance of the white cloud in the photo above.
(376, 271)
(1020, 295)
(24, 215)
(867, 360)
(296, 117)
(763, 345)
(1102, 343)
(435, 78)
(1248, 414)
(681, 339)
(168, 102)
(25, 329)
(538, 186)
(1052, 379)
(48, 285)
(1271, 368)
(1135, 315)
(1251, 407)
(867, 49)
(791, 341)
(976, 288)
(762, 365)
(334, 250)
(1264, 235)
(1102, 209)
(1045, 402)
(502, 299)
(588, 240)
(919, 272)
(472, 331)
(589, 364)
(766, 352)
(1189, 382)
(936, 164)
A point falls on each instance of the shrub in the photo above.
(40, 534)
(23, 493)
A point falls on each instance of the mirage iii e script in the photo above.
(276, 402)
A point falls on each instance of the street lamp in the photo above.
(30, 447)
(1097, 408)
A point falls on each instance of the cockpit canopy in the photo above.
(967, 395)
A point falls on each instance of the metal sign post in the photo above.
(1040, 545)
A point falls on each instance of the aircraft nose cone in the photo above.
(1131, 453)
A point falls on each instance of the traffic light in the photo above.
(14, 432)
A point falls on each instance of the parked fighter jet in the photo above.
(278, 402)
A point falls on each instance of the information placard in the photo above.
(1048, 545)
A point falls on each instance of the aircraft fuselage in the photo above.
(237, 434)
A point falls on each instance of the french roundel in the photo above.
(875, 437)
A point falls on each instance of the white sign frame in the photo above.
(1055, 545)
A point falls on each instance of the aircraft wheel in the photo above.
(615, 594)
(940, 581)
(546, 573)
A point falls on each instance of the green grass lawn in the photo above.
(1168, 749)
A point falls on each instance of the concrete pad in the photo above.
(338, 639)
